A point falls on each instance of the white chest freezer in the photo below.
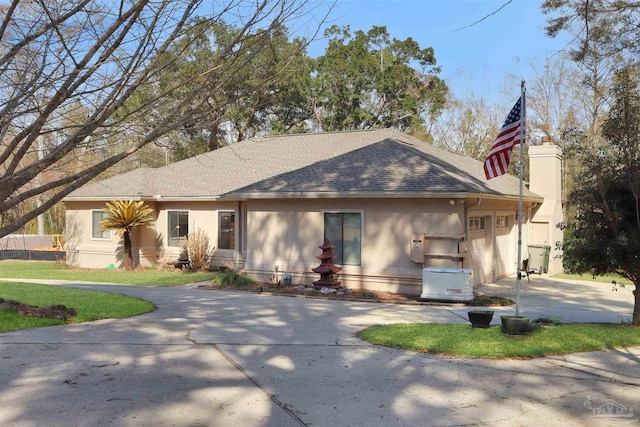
(447, 284)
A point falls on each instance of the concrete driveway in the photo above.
(213, 358)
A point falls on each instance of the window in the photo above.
(96, 233)
(476, 223)
(343, 230)
(226, 230)
(502, 221)
(178, 227)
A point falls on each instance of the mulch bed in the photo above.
(293, 290)
(353, 295)
(58, 311)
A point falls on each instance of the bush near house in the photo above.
(198, 249)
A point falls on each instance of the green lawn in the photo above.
(463, 340)
(90, 305)
(17, 269)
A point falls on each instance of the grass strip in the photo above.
(17, 269)
(90, 305)
(464, 341)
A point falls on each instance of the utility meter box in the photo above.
(417, 248)
(447, 284)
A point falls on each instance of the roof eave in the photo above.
(371, 195)
(155, 198)
(101, 198)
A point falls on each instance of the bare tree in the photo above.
(467, 126)
(604, 38)
(553, 107)
(77, 76)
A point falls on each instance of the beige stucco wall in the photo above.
(202, 215)
(150, 244)
(546, 180)
(146, 251)
(288, 233)
(85, 251)
(82, 249)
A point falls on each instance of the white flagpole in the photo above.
(523, 128)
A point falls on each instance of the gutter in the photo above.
(155, 198)
(372, 195)
(306, 195)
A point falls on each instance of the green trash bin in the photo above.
(545, 262)
(539, 258)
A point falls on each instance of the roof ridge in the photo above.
(307, 134)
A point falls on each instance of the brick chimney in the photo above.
(545, 179)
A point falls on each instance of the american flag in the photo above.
(497, 162)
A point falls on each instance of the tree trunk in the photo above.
(128, 258)
(636, 305)
(214, 131)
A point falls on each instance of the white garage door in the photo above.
(505, 256)
(478, 249)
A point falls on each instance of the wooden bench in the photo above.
(183, 264)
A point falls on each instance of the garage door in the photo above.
(478, 249)
(505, 257)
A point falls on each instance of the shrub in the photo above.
(233, 279)
(489, 301)
(198, 249)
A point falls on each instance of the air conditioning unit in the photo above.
(447, 284)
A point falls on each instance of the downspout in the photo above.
(530, 209)
(240, 236)
(467, 232)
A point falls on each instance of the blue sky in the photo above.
(474, 59)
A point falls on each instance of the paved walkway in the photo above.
(213, 358)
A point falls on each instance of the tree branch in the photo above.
(485, 17)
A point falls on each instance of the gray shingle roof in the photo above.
(370, 162)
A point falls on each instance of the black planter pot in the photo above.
(515, 325)
(480, 318)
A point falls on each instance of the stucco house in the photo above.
(392, 205)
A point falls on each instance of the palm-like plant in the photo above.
(122, 216)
